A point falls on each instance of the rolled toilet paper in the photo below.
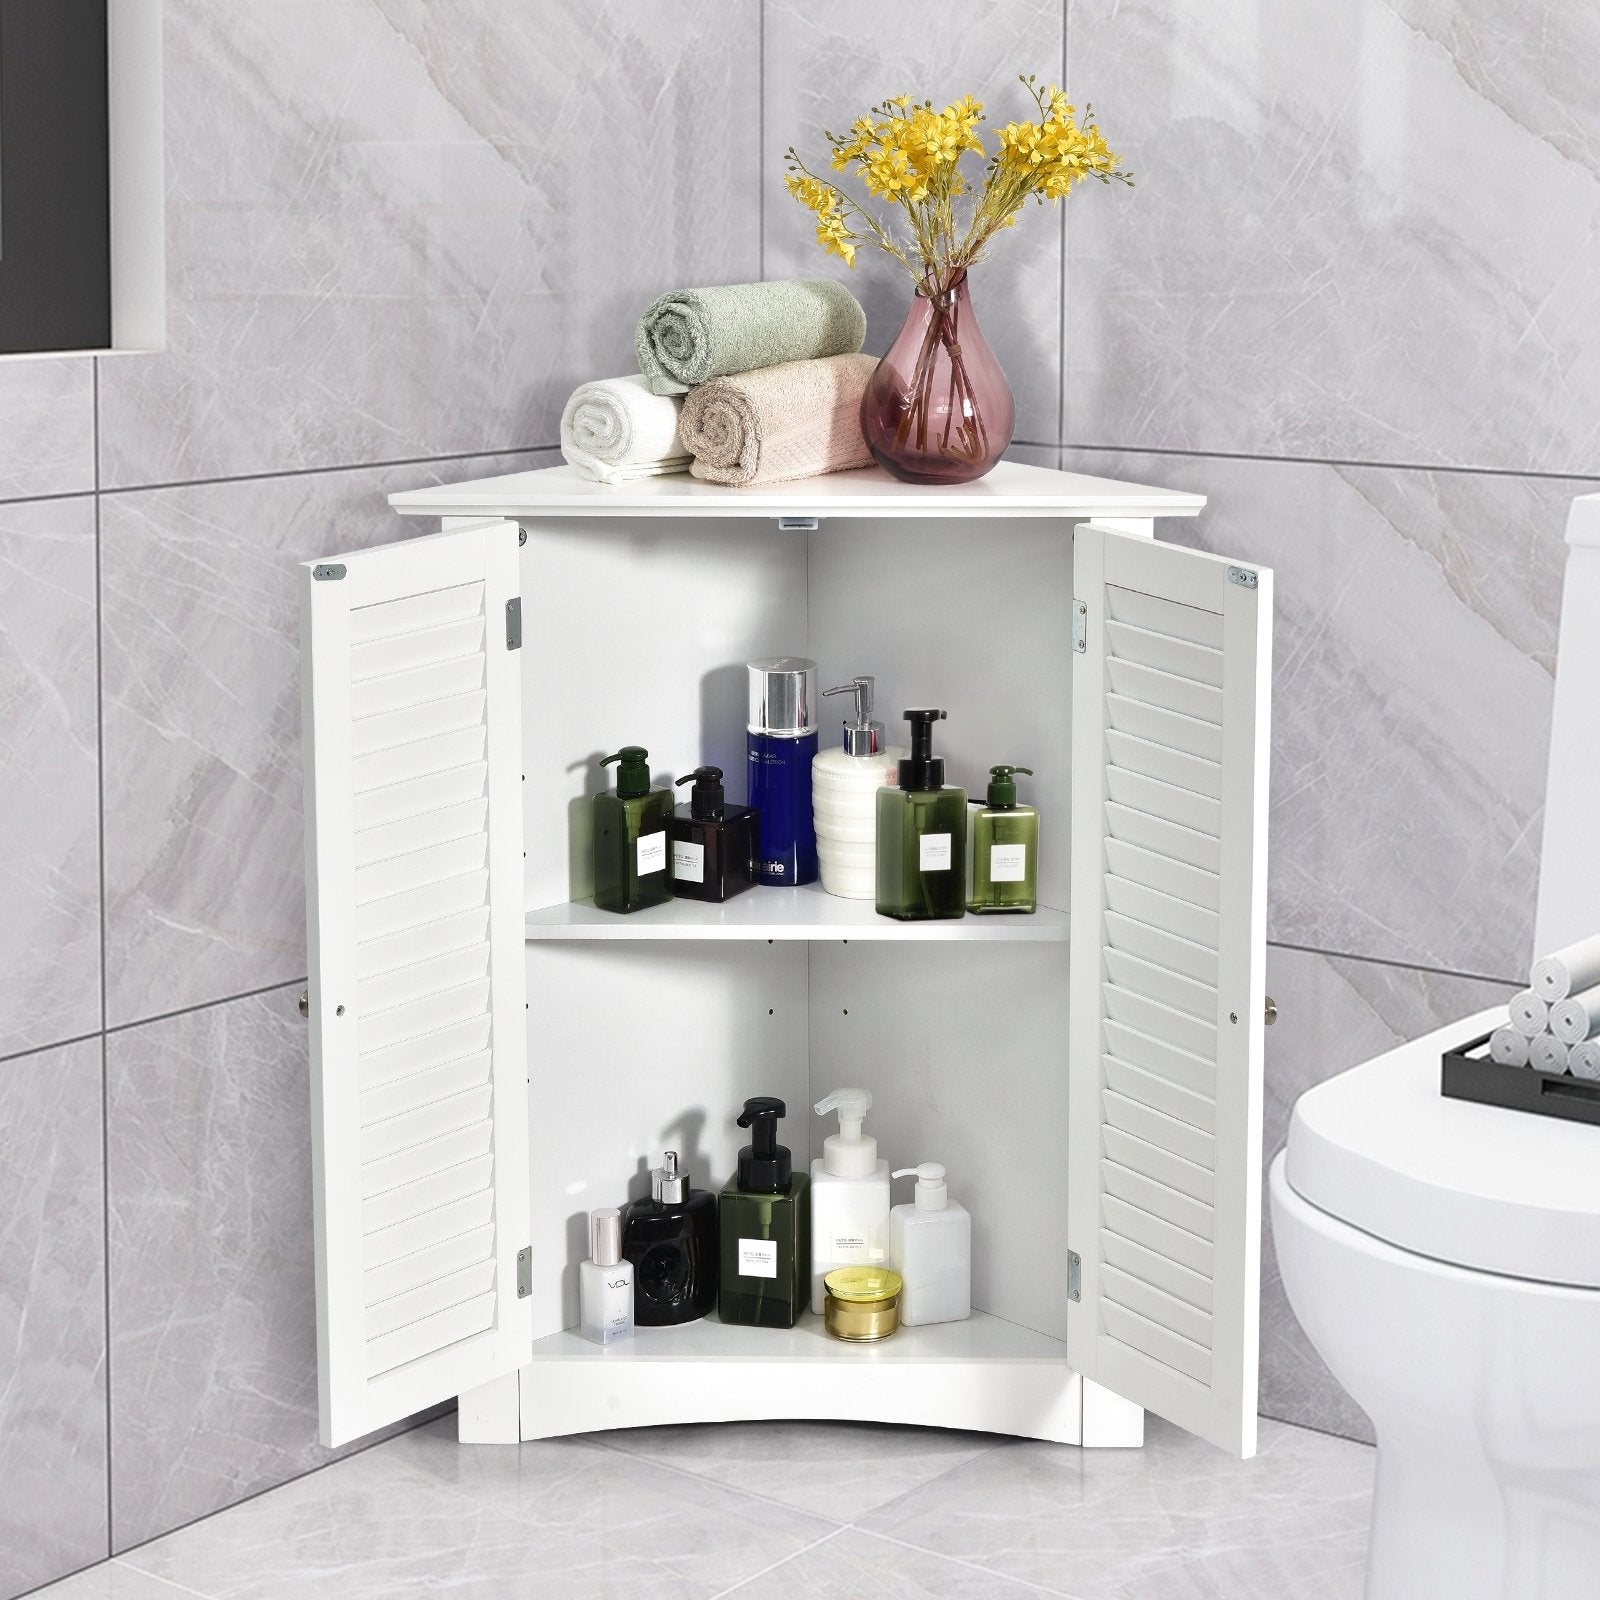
(1508, 1047)
(1568, 970)
(1547, 1053)
(1577, 1017)
(1529, 1014)
(1583, 1060)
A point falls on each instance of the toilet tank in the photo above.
(1569, 858)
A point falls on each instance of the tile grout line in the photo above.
(1333, 461)
(1061, 305)
(1386, 961)
(706, 1480)
(204, 1005)
(761, 140)
(266, 477)
(973, 1566)
(105, 1048)
(125, 1557)
(805, 1549)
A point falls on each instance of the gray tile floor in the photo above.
(787, 1511)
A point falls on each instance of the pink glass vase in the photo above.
(938, 409)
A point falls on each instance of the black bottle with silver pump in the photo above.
(671, 1239)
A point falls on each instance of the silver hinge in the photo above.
(524, 1272)
(514, 624)
(797, 524)
(1074, 1276)
(328, 571)
(1080, 626)
(1244, 577)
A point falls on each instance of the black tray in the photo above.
(1467, 1076)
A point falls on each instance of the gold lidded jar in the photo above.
(861, 1303)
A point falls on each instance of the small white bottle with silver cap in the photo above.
(930, 1246)
(605, 1282)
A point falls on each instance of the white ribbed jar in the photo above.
(844, 802)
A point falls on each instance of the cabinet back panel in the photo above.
(972, 616)
(964, 1049)
(637, 1049)
(637, 632)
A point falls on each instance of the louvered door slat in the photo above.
(1168, 939)
(414, 831)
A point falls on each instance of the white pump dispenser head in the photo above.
(932, 1192)
(849, 1153)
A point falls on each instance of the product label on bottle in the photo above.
(688, 861)
(652, 852)
(1008, 863)
(849, 1247)
(758, 1258)
(933, 852)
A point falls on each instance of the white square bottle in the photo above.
(930, 1246)
(605, 1282)
(849, 1195)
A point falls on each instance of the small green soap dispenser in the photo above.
(1005, 848)
(922, 834)
(764, 1217)
(632, 863)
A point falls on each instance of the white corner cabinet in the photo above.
(491, 1057)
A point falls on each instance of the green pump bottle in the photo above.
(1005, 848)
(922, 834)
(632, 859)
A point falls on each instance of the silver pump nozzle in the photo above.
(862, 736)
(667, 1183)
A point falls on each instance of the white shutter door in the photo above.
(412, 707)
(1169, 780)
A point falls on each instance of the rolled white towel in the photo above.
(1509, 1047)
(1577, 1017)
(1547, 1053)
(1583, 1060)
(1565, 971)
(1529, 1014)
(615, 430)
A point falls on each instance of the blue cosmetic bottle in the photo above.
(781, 742)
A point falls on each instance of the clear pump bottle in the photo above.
(849, 1195)
(930, 1246)
(1005, 848)
(922, 834)
(605, 1281)
(844, 797)
(764, 1218)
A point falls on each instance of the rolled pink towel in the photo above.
(796, 420)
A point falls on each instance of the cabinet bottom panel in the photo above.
(983, 1374)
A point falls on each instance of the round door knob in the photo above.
(305, 1002)
(1271, 1013)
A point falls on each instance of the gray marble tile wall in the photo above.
(1348, 300)
(397, 236)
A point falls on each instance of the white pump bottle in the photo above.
(930, 1246)
(849, 1195)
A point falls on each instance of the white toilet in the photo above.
(1444, 1257)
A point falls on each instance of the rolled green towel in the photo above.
(691, 335)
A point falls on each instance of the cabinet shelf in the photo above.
(982, 1373)
(769, 913)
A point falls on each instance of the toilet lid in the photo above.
(1480, 1186)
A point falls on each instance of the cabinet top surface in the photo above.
(1010, 490)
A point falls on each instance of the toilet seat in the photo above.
(1477, 1186)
